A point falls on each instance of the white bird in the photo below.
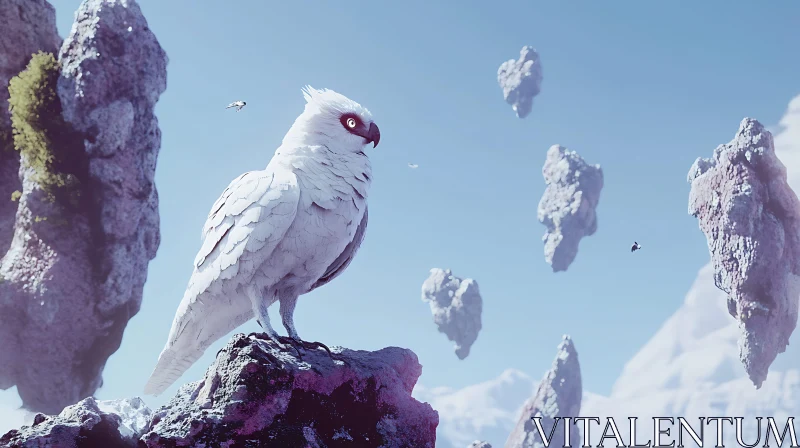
(237, 104)
(413, 166)
(278, 233)
(635, 247)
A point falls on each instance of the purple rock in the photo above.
(259, 392)
(568, 205)
(558, 395)
(88, 423)
(751, 219)
(74, 277)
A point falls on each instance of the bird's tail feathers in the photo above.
(170, 366)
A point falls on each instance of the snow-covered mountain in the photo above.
(690, 368)
(483, 411)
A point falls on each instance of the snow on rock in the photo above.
(88, 423)
(134, 414)
(260, 392)
(73, 275)
(568, 205)
(483, 411)
(690, 368)
(558, 395)
(28, 26)
(751, 219)
(456, 305)
(521, 80)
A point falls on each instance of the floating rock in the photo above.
(751, 219)
(28, 26)
(568, 205)
(261, 393)
(456, 305)
(521, 80)
(558, 395)
(88, 423)
(74, 273)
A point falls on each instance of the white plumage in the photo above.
(276, 234)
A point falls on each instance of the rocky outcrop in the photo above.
(568, 205)
(74, 273)
(751, 219)
(258, 393)
(521, 80)
(456, 305)
(89, 423)
(558, 395)
(28, 26)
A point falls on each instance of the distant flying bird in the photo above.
(278, 233)
(237, 104)
(635, 247)
(413, 166)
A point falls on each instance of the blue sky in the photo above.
(642, 88)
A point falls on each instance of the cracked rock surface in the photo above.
(751, 219)
(73, 274)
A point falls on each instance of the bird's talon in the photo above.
(313, 345)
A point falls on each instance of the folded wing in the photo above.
(242, 230)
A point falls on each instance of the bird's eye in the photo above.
(351, 123)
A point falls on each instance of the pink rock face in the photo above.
(751, 219)
(261, 393)
(558, 395)
(73, 276)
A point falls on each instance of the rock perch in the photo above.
(521, 80)
(259, 394)
(558, 395)
(456, 305)
(568, 205)
(751, 219)
(87, 226)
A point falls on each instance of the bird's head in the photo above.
(333, 120)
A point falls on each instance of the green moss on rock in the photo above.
(45, 141)
(15, 196)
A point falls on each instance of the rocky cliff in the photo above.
(86, 222)
(260, 394)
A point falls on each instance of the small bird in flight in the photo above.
(635, 247)
(413, 166)
(237, 104)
